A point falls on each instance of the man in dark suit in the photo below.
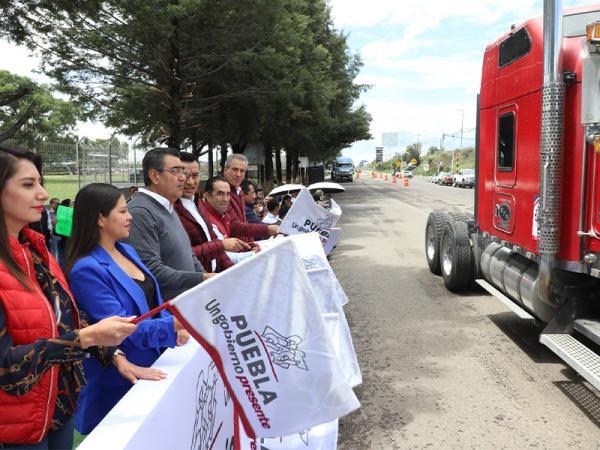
(205, 244)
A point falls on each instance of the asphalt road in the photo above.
(442, 370)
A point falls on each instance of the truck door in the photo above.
(505, 170)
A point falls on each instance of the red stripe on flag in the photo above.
(268, 354)
(212, 352)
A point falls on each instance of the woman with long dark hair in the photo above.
(108, 278)
(41, 343)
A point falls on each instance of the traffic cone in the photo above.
(405, 182)
(393, 179)
(386, 177)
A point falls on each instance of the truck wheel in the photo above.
(459, 216)
(456, 257)
(433, 234)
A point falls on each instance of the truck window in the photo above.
(514, 47)
(506, 142)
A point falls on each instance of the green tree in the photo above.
(413, 151)
(41, 116)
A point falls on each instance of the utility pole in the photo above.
(462, 126)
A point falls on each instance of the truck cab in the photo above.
(343, 169)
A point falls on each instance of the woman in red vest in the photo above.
(41, 342)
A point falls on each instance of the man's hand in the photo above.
(273, 230)
(235, 245)
(208, 275)
(134, 373)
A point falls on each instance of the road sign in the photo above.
(413, 162)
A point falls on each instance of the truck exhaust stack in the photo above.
(551, 152)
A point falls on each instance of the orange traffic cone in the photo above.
(386, 177)
(405, 182)
(394, 179)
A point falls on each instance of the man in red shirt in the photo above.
(235, 172)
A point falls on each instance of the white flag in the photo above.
(305, 216)
(334, 236)
(260, 323)
(321, 437)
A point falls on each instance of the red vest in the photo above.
(29, 317)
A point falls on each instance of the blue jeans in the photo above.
(55, 440)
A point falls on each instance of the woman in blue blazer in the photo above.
(108, 278)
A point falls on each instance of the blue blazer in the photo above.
(102, 289)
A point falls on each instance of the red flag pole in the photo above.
(150, 313)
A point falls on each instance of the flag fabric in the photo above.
(305, 216)
(321, 437)
(261, 324)
(330, 297)
(334, 235)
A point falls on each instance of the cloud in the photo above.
(418, 16)
(21, 61)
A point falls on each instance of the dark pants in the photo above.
(56, 440)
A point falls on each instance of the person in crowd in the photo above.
(286, 204)
(156, 231)
(321, 199)
(133, 190)
(62, 244)
(42, 342)
(217, 197)
(272, 216)
(108, 278)
(248, 194)
(55, 239)
(259, 210)
(206, 246)
(43, 227)
(234, 173)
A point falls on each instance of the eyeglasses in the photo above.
(177, 170)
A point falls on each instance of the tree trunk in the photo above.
(278, 165)
(238, 148)
(288, 166)
(268, 183)
(223, 157)
(294, 166)
(211, 161)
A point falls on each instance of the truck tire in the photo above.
(456, 256)
(433, 235)
(459, 216)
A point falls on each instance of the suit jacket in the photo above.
(240, 228)
(204, 249)
(102, 289)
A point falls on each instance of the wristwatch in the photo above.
(118, 352)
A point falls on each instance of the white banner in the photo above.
(321, 437)
(273, 347)
(334, 236)
(190, 409)
(305, 216)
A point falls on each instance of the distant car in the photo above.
(434, 179)
(464, 178)
(408, 173)
(444, 179)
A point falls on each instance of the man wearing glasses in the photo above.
(156, 231)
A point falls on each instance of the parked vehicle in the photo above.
(534, 242)
(464, 178)
(408, 174)
(343, 169)
(444, 179)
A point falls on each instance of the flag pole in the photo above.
(150, 313)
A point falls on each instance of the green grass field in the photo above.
(65, 186)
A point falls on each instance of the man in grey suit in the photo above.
(156, 231)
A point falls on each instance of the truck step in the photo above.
(589, 328)
(514, 307)
(575, 354)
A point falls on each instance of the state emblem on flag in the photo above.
(284, 351)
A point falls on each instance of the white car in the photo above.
(464, 178)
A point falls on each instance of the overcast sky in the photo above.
(423, 59)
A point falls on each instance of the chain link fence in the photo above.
(67, 167)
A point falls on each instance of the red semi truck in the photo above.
(534, 240)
